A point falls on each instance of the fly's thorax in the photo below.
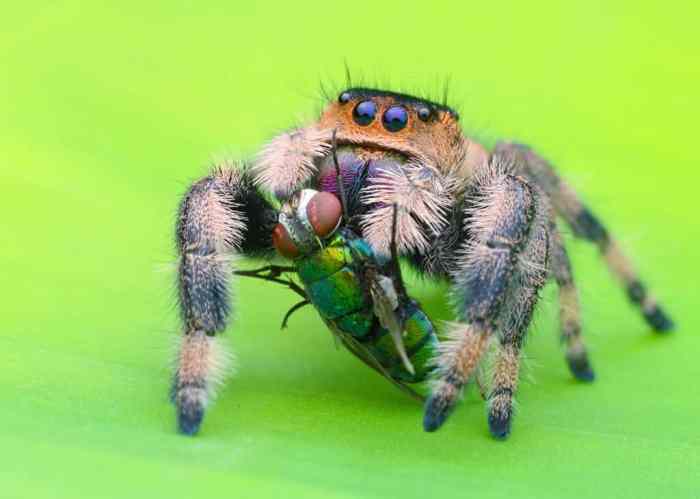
(343, 249)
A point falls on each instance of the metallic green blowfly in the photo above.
(358, 293)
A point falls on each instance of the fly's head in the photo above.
(305, 219)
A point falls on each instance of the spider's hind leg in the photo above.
(569, 308)
(586, 225)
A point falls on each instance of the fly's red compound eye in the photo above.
(324, 213)
(283, 242)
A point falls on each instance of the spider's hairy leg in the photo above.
(569, 308)
(586, 225)
(458, 358)
(520, 298)
(220, 215)
(506, 370)
(499, 215)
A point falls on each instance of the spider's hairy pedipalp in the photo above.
(288, 160)
(421, 195)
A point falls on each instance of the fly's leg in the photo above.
(586, 225)
(221, 215)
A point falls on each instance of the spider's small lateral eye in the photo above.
(424, 113)
(344, 98)
(395, 118)
(364, 112)
(324, 213)
(283, 242)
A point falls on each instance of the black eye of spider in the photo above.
(395, 118)
(424, 113)
(344, 98)
(364, 112)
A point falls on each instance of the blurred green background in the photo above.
(107, 112)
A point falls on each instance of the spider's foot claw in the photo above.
(659, 321)
(437, 409)
(581, 368)
(499, 424)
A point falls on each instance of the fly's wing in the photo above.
(361, 352)
(386, 304)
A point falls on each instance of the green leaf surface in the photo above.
(109, 110)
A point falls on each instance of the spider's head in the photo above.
(379, 121)
(308, 216)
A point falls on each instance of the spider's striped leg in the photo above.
(220, 215)
(503, 216)
(569, 308)
(587, 226)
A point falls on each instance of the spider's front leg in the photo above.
(497, 273)
(221, 215)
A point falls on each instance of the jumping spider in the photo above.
(485, 221)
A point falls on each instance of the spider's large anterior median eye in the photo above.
(364, 112)
(283, 242)
(324, 212)
(395, 118)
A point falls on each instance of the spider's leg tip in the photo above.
(189, 421)
(437, 409)
(581, 368)
(499, 424)
(659, 321)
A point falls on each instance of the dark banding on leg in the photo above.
(506, 370)
(569, 309)
(586, 225)
(653, 313)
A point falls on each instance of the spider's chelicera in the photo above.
(410, 183)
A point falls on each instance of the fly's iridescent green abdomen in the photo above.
(333, 277)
